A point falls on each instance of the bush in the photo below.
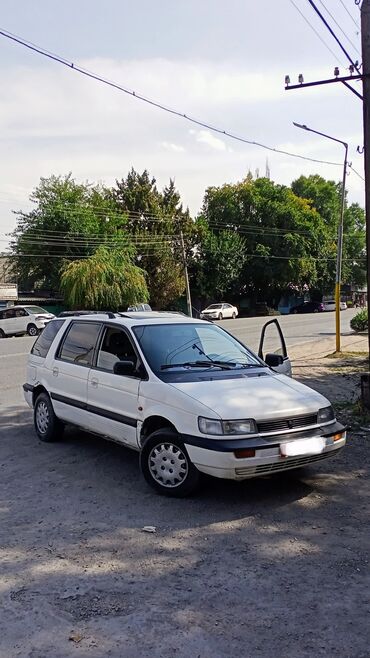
(359, 321)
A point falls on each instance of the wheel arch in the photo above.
(36, 392)
(152, 424)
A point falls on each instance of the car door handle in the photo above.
(94, 382)
(55, 372)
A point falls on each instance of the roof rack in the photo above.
(68, 314)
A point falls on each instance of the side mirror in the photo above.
(274, 360)
(126, 367)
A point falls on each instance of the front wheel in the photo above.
(220, 316)
(48, 427)
(233, 315)
(32, 330)
(2, 334)
(166, 465)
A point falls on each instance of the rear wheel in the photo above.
(32, 330)
(166, 465)
(48, 427)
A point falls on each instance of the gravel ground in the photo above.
(277, 566)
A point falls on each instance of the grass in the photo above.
(347, 355)
(358, 413)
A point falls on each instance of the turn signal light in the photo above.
(244, 452)
(337, 437)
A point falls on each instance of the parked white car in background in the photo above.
(23, 319)
(330, 305)
(186, 394)
(219, 311)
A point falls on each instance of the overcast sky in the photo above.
(221, 62)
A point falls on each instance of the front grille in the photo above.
(283, 424)
(282, 465)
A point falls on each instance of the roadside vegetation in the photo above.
(359, 321)
(253, 239)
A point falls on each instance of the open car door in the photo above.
(272, 335)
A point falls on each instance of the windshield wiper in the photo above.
(200, 364)
(231, 364)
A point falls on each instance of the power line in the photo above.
(341, 29)
(153, 103)
(323, 19)
(269, 256)
(314, 30)
(356, 172)
(349, 14)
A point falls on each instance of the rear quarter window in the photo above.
(45, 339)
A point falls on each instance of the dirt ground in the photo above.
(277, 566)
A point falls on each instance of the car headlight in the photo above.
(220, 427)
(325, 415)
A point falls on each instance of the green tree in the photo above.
(106, 280)
(281, 234)
(155, 220)
(325, 197)
(219, 261)
(69, 220)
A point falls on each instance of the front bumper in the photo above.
(217, 457)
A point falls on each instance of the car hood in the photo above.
(211, 310)
(260, 397)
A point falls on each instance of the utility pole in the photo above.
(188, 297)
(365, 40)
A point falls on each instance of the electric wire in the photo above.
(341, 29)
(349, 13)
(356, 172)
(316, 32)
(198, 122)
(269, 256)
(323, 19)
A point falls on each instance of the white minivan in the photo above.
(23, 319)
(184, 393)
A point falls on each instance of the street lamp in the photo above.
(338, 272)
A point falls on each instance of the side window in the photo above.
(20, 313)
(115, 346)
(45, 339)
(79, 343)
(9, 313)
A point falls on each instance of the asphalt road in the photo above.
(297, 329)
(277, 566)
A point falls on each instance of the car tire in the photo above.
(315, 310)
(48, 427)
(295, 311)
(233, 315)
(2, 334)
(220, 316)
(32, 330)
(166, 466)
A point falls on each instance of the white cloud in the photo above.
(208, 138)
(54, 121)
(176, 148)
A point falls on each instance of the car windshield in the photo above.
(35, 309)
(192, 345)
(214, 306)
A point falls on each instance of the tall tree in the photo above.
(68, 220)
(155, 219)
(281, 231)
